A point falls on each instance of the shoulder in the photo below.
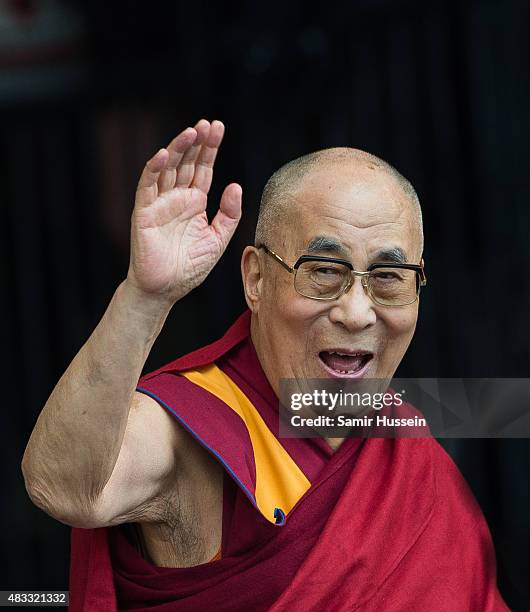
(454, 496)
(237, 333)
(428, 461)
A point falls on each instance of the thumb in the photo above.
(225, 221)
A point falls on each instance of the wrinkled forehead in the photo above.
(350, 210)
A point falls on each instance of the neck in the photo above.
(334, 442)
(261, 352)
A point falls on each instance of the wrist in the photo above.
(151, 304)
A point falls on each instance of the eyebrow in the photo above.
(394, 255)
(326, 244)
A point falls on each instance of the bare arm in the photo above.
(100, 451)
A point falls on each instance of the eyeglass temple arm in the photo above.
(277, 257)
(423, 277)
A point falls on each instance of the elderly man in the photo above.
(180, 492)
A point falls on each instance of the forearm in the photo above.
(77, 438)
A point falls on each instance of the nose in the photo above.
(354, 309)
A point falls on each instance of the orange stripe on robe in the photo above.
(378, 525)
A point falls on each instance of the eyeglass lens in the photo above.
(327, 280)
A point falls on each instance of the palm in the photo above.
(173, 247)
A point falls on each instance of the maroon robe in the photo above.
(383, 525)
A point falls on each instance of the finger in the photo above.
(225, 221)
(176, 148)
(186, 167)
(147, 189)
(202, 178)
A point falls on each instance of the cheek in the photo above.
(300, 311)
(287, 307)
(399, 326)
(292, 321)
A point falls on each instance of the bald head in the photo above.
(282, 186)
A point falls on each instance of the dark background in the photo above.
(438, 89)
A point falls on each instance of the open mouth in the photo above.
(346, 364)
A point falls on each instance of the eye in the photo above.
(327, 271)
(386, 275)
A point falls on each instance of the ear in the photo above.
(251, 274)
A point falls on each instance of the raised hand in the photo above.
(173, 247)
